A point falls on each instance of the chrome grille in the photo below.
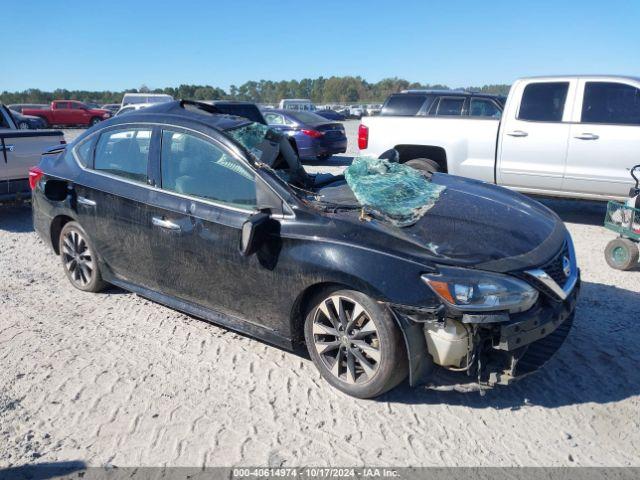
(555, 267)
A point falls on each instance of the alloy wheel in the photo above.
(78, 258)
(346, 339)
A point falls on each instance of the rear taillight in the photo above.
(312, 133)
(35, 174)
(363, 137)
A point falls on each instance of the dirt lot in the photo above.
(115, 379)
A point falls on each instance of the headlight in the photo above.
(474, 290)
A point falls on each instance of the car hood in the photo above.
(470, 223)
(488, 227)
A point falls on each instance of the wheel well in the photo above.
(409, 152)
(56, 227)
(301, 304)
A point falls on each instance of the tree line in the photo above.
(319, 90)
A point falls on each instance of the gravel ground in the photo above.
(113, 379)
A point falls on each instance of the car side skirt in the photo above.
(231, 322)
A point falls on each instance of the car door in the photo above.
(78, 113)
(207, 194)
(111, 201)
(61, 113)
(533, 137)
(605, 141)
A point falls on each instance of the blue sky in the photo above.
(117, 44)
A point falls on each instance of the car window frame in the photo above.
(274, 124)
(150, 180)
(154, 165)
(217, 144)
(566, 109)
(580, 102)
(433, 110)
(484, 99)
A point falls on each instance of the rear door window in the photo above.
(543, 102)
(403, 105)
(124, 153)
(481, 107)
(274, 119)
(450, 106)
(191, 165)
(611, 102)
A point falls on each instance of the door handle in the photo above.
(517, 133)
(162, 223)
(86, 201)
(587, 136)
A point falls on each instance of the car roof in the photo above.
(447, 92)
(585, 76)
(186, 109)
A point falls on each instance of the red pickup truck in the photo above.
(69, 113)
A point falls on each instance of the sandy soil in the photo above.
(113, 379)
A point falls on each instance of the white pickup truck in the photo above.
(570, 136)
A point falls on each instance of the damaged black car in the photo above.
(383, 273)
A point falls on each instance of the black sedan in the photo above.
(27, 122)
(213, 215)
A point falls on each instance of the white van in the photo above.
(135, 98)
(297, 104)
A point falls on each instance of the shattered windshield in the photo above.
(393, 191)
(252, 137)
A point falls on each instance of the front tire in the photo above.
(621, 254)
(424, 165)
(94, 121)
(355, 343)
(79, 259)
(23, 126)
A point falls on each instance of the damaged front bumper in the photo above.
(507, 349)
(526, 342)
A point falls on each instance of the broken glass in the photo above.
(251, 137)
(393, 191)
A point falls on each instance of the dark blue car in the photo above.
(313, 137)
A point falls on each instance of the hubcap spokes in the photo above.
(78, 258)
(346, 339)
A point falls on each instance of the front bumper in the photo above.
(503, 352)
(526, 342)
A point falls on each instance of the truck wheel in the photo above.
(94, 121)
(355, 343)
(621, 254)
(424, 165)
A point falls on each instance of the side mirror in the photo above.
(391, 155)
(254, 232)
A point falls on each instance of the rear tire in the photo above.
(79, 259)
(622, 254)
(424, 165)
(45, 122)
(363, 356)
